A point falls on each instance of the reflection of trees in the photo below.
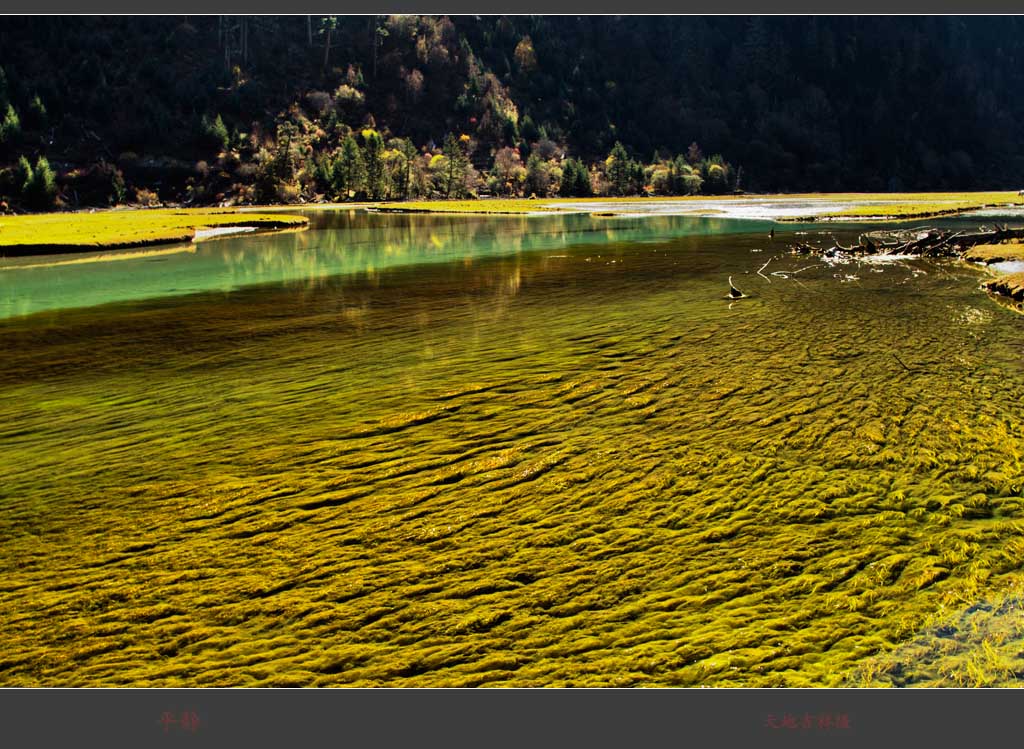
(364, 244)
(351, 244)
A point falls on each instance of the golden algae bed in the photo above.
(479, 457)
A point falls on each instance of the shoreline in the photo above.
(122, 228)
(890, 218)
(63, 233)
(1007, 285)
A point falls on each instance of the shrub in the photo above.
(348, 99)
(146, 197)
(692, 183)
(319, 102)
(546, 149)
(288, 193)
(117, 185)
(244, 194)
(196, 193)
(229, 160)
(246, 171)
(658, 177)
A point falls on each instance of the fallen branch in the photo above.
(923, 242)
(904, 365)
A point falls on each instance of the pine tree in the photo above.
(636, 178)
(348, 174)
(408, 152)
(23, 174)
(575, 180)
(10, 127)
(220, 133)
(374, 160)
(455, 168)
(567, 188)
(37, 113)
(215, 132)
(620, 170)
(40, 188)
(583, 187)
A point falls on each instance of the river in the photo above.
(412, 450)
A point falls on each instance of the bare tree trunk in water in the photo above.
(309, 30)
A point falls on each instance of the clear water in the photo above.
(412, 450)
(338, 243)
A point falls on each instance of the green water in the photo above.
(506, 451)
(342, 242)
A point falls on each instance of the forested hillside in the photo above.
(102, 110)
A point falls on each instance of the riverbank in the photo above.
(910, 206)
(797, 208)
(1007, 259)
(56, 233)
(123, 228)
(1011, 288)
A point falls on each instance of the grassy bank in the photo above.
(1010, 288)
(995, 253)
(879, 206)
(917, 205)
(51, 233)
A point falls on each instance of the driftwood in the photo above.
(922, 242)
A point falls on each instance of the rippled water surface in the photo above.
(421, 451)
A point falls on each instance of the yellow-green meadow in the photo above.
(49, 233)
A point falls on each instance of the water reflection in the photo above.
(339, 243)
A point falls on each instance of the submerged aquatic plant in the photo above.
(514, 470)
